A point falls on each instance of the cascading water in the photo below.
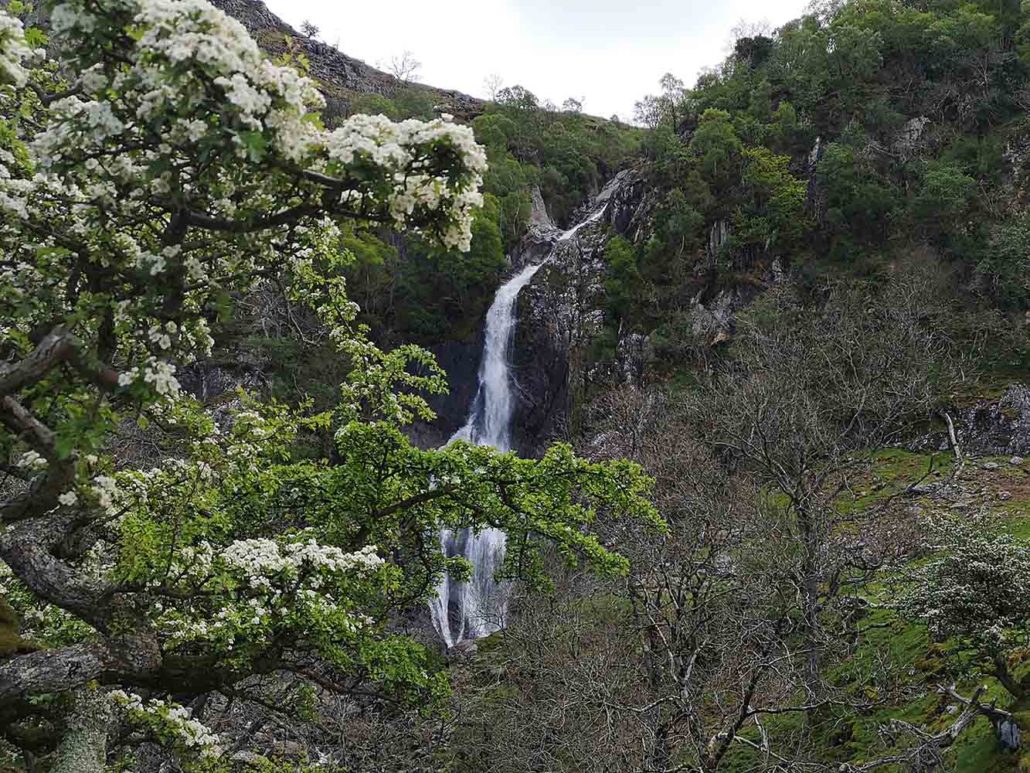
(476, 608)
(481, 602)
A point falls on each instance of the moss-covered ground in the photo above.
(895, 657)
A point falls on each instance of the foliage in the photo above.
(850, 138)
(859, 203)
(774, 216)
(716, 145)
(566, 153)
(1004, 267)
(413, 289)
(156, 172)
(623, 278)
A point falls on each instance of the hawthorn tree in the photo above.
(975, 594)
(154, 167)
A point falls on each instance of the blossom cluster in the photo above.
(977, 587)
(158, 374)
(190, 55)
(406, 151)
(169, 720)
(190, 83)
(260, 559)
(105, 489)
(239, 622)
(256, 586)
(32, 460)
(124, 145)
(13, 51)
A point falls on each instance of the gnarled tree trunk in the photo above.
(84, 746)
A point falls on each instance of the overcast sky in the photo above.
(606, 52)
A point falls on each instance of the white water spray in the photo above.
(476, 608)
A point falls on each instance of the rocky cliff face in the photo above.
(559, 314)
(460, 361)
(561, 311)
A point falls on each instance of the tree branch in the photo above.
(49, 671)
(55, 347)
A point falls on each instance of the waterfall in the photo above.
(469, 610)
(481, 602)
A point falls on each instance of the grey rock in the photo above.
(538, 215)
(1008, 735)
(210, 380)
(998, 427)
(718, 236)
(714, 319)
(460, 363)
(910, 137)
(561, 314)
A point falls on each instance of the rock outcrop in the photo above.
(998, 427)
(460, 361)
(561, 312)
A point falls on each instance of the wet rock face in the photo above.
(460, 361)
(542, 349)
(559, 316)
(560, 313)
(998, 427)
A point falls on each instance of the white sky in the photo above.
(606, 52)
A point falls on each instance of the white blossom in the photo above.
(32, 460)
(14, 51)
(172, 718)
(105, 489)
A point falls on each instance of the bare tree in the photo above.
(750, 29)
(654, 109)
(404, 67)
(805, 390)
(715, 643)
(493, 84)
(566, 668)
(309, 28)
(648, 111)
